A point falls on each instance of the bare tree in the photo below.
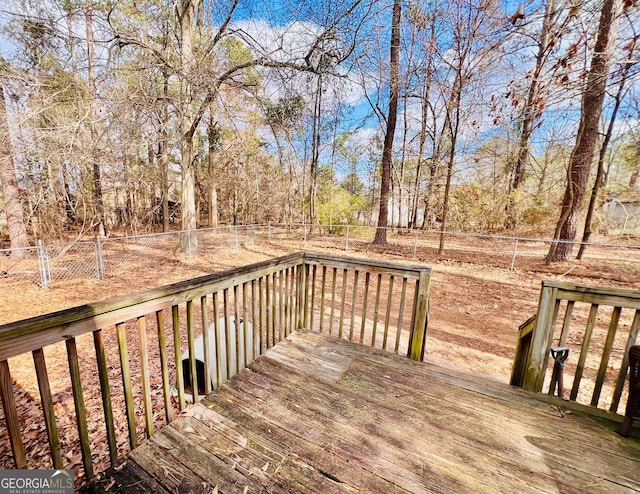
(533, 106)
(474, 38)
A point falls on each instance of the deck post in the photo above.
(12, 421)
(418, 335)
(541, 340)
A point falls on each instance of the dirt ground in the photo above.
(476, 308)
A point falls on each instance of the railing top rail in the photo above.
(409, 270)
(606, 296)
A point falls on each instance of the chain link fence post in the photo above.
(515, 252)
(236, 237)
(42, 266)
(100, 258)
(269, 231)
(346, 241)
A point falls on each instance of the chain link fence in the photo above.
(22, 266)
(114, 256)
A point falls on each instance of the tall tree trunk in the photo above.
(387, 149)
(163, 154)
(315, 155)
(402, 193)
(583, 151)
(10, 191)
(188, 238)
(421, 146)
(213, 190)
(98, 202)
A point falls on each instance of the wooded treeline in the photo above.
(129, 114)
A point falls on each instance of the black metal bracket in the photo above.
(559, 355)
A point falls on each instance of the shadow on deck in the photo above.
(319, 414)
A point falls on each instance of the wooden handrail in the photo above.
(242, 309)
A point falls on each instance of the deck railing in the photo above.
(599, 326)
(220, 321)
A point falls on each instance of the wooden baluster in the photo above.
(297, 317)
(343, 298)
(281, 319)
(145, 374)
(292, 300)
(206, 343)
(125, 369)
(227, 332)
(218, 340)
(267, 309)
(606, 353)
(375, 311)
(403, 296)
(313, 297)
(47, 408)
(192, 352)
(248, 356)
(81, 413)
(261, 315)
(287, 306)
(103, 373)
(354, 300)
(388, 314)
(584, 350)
(11, 416)
(254, 321)
(304, 295)
(333, 298)
(274, 307)
(177, 353)
(322, 296)
(365, 300)
(166, 385)
(236, 324)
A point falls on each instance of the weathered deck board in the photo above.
(316, 414)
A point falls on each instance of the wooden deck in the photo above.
(317, 414)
